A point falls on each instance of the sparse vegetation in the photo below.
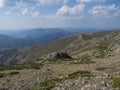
(35, 65)
(48, 84)
(116, 82)
(102, 49)
(101, 68)
(11, 67)
(21, 66)
(83, 60)
(80, 73)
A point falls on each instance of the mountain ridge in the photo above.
(32, 37)
(83, 43)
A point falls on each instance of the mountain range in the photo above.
(13, 39)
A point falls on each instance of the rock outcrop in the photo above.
(58, 55)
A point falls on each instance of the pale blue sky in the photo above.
(26, 14)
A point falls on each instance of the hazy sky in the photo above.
(24, 14)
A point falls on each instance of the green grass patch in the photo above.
(103, 49)
(21, 66)
(80, 73)
(49, 84)
(83, 60)
(116, 82)
(101, 68)
(36, 65)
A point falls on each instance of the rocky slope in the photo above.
(13, 55)
(64, 75)
(94, 45)
(94, 65)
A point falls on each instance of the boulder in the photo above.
(58, 55)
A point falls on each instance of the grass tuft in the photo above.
(101, 68)
(80, 73)
(116, 82)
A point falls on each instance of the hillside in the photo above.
(92, 44)
(77, 45)
(13, 55)
(94, 64)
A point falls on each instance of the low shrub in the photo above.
(13, 73)
(101, 68)
(21, 66)
(49, 84)
(1, 75)
(116, 82)
(80, 73)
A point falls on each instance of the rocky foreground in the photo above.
(63, 74)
